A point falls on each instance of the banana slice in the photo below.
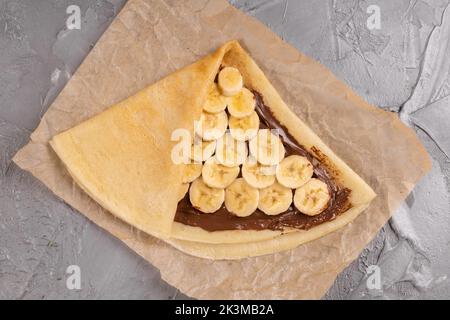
(191, 172)
(183, 190)
(211, 126)
(204, 198)
(202, 150)
(230, 152)
(216, 175)
(275, 199)
(215, 102)
(245, 128)
(294, 171)
(242, 104)
(241, 198)
(267, 147)
(258, 175)
(230, 81)
(312, 198)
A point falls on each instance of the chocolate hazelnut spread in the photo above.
(224, 220)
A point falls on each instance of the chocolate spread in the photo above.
(224, 220)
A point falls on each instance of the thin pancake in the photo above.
(121, 158)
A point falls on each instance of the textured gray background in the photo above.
(403, 67)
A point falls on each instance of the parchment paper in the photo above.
(150, 39)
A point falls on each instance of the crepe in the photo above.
(122, 159)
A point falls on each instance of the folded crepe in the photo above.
(218, 206)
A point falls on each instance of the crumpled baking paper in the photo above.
(152, 38)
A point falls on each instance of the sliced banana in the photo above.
(275, 199)
(211, 126)
(242, 104)
(202, 150)
(294, 171)
(215, 102)
(216, 175)
(258, 175)
(241, 198)
(267, 147)
(204, 198)
(230, 152)
(312, 198)
(191, 172)
(245, 128)
(183, 190)
(230, 81)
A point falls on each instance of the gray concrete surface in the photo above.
(402, 67)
